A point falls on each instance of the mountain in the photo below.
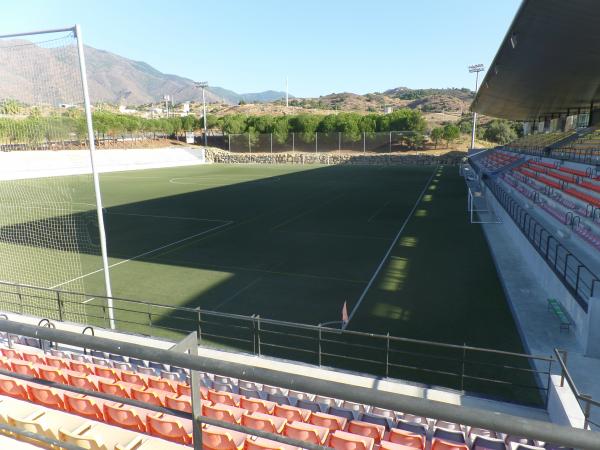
(111, 78)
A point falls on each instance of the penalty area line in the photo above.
(149, 252)
(389, 250)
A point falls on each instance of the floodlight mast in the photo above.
(475, 69)
(203, 85)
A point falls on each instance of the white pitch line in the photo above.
(146, 253)
(387, 254)
(197, 219)
(228, 299)
(379, 210)
(88, 300)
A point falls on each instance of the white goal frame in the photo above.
(76, 30)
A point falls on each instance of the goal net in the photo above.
(49, 233)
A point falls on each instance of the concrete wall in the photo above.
(554, 287)
(38, 164)
(563, 407)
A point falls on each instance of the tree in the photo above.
(500, 131)
(10, 107)
(437, 134)
(451, 133)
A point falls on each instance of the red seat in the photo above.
(406, 438)
(215, 438)
(291, 413)
(107, 372)
(225, 398)
(167, 427)
(441, 444)
(179, 402)
(124, 417)
(333, 423)
(33, 358)
(257, 405)
(366, 429)
(11, 353)
(162, 384)
(46, 396)
(306, 432)
(57, 362)
(53, 374)
(133, 378)
(341, 440)
(13, 388)
(261, 423)
(81, 381)
(83, 406)
(146, 396)
(184, 389)
(81, 367)
(110, 387)
(23, 367)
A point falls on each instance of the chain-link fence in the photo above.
(369, 142)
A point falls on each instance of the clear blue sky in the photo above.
(323, 46)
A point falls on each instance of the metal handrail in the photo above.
(561, 357)
(505, 423)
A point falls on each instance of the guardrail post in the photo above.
(59, 304)
(199, 324)
(20, 295)
(387, 355)
(462, 370)
(258, 334)
(149, 316)
(562, 372)
(253, 329)
(586, 410)
(319, 344)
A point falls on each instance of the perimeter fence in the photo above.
(368, 142)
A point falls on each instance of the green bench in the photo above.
(557, 309)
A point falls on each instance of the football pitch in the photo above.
(295, 242)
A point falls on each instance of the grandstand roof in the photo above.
(548, 62)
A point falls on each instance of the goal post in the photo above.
(52, 231)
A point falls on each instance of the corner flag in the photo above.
(345, 313)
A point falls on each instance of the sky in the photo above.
(321, 46)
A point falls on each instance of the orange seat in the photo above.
(406, 438)
(341, 440)
(225, 398)
(23, 367)
(259, 423)
(184, 389)
(330, 421)
(113, 388)
(53, 374)
(178, 402)
(106, 372)
(81, 381)
(33, 358)
(11, 353)
(123, 417)
(167, 428)
(291, 413)
(215, 438)
(82, 406)
(257, 405)
(162, 384)
(46, 396)
(146, 396)
(366, 429)
(225, 413)
(441, 444)
(81, 367)
(387, 445)
(306, 432)
(13, 388)
(5, 363)
(55, 361)
(252, 443)
(133, 378)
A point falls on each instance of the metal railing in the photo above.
(581, 282)
(512, 425)
(586, 402)
(505, 375)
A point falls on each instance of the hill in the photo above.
(112, 79)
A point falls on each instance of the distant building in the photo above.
(387, 109)
(123, 110)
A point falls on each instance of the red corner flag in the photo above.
(345, 313)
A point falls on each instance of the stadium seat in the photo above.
(407, 438)
(179, 402)
(308, 404)
(162, 384)
(366, 429)
(122, 366)
(57, 362)
(341, 440)
(291, 413)
(83, 381)
(106, 372)
(133, 378)
(413, 427)
(263, 422)
(35, 358)
(97, 436)
(46, 396)
(487, 443)
(378, 420)
(333, 423)
(279, 398)
(101, 362)
(13, 388)
(272, 390)
(222, 387)
(82, 367)
(441, 444)
(146, 396)
(123, 416)
(169, 427)
(306, 432)
(342, 412)
(250, 385)
(257, 405)
(225, 398)
(325, 400)
(256, 443)
(53, 374)
(356, 407)
(383, 412)
(225, 413)
(449, 435)
(144, 370)
(300, 395)
(109, 387)
(83, 406)
(216, 438)
(23, 368)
